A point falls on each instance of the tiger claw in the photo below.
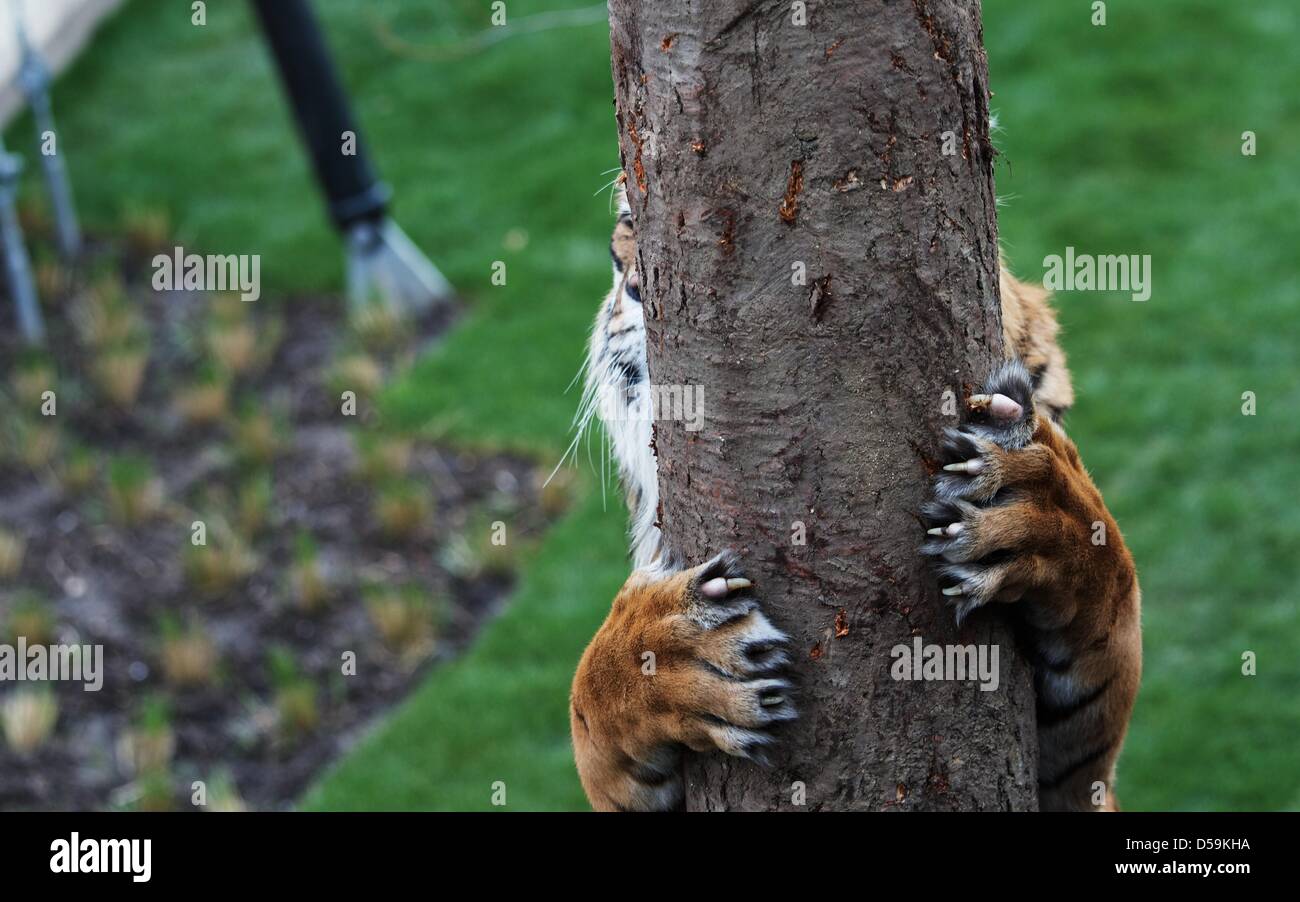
(721, 586)
(998, 404)
(714, 588)
(1005, 408)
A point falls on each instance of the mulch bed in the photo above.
(112, 584)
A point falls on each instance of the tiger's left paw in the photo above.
(1013, 510)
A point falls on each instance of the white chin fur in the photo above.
(617, 344)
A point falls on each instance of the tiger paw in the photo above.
(685, 659)
(1013, 510)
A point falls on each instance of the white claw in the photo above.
(973, 466)
(1005, 408)
(735, 585)
(937, 531)
(714, 588)
(771, 701)
(1000, 406)
(952, 590)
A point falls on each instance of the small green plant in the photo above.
(402, 508)
(13, 547)
(357, 372)
(404, 618)
(483, 550)
(32, 618)
(28, 717)
(135, 494)
(110, 326)
(297, 711)
(154, 791)
(378, 326)
(309, 586)
(189, 656)
(227, 308)
(258, 435)
(104, 316)
(206, 399)
(223, 795)
(382, 458)
(254, 503)
(146, 229)
(270, 332)
(118, 371)
(53, 280)
(224, 562)
(35, 440)
(78, 469)
(32, 376)
(148, 745)
(236, 340)
(233, 345)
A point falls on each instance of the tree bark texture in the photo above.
(818, 267)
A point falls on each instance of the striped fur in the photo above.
(1034, 531)
(718, 683)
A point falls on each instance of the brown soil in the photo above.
(111, 584)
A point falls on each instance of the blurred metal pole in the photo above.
(18, 268)
(383, 263)
(34, 77)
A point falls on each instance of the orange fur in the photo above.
(1068, 569)
(1029, 331)
(672, 668)
(716, 680)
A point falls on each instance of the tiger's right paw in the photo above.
(685, 658)
(725, 661)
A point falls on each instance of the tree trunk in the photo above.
(819, 260)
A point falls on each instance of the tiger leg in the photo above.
(685, 660)
(1016, 518)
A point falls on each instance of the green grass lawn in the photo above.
(1119, 139)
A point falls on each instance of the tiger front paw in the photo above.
(1014, 512)
(685, 660)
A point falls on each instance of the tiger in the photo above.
(1011, 518)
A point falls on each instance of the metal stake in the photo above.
(18, 268)
(34, 76)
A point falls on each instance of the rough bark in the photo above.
(754, 147)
